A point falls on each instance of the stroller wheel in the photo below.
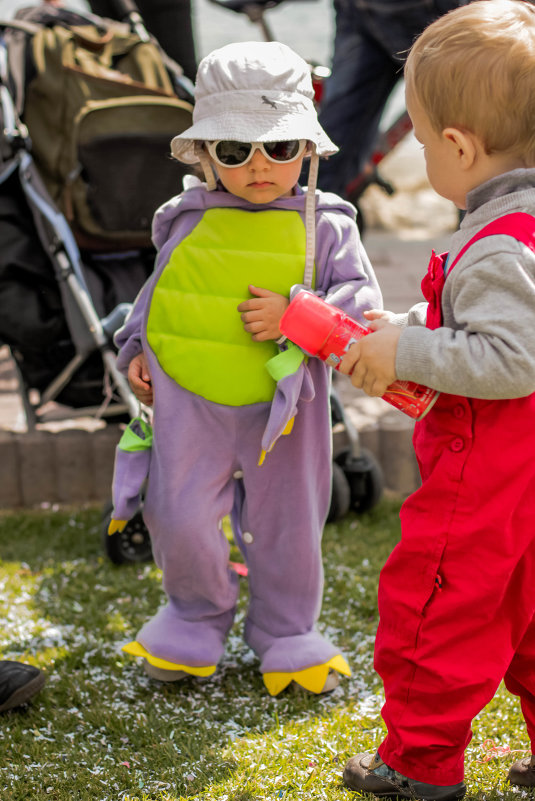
(365, 479)
(132, 544)
(340, 495)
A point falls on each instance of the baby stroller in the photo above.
(88, 108)
(76, 240)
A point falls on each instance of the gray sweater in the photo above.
(486, 345)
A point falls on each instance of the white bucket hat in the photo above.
(256, 92)
(252, 92)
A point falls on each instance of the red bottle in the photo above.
(326, 332)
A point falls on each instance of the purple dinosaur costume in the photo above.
(204, 461)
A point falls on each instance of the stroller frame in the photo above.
(89, 332)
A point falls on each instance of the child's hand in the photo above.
(378, 314)
(371, 362)
(140, 380)
(261, 315)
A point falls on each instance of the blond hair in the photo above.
(474, 69)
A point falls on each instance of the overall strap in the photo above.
(519, 225)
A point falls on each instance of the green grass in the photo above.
(102, 731)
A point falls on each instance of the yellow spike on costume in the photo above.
(277, 682)
(312, 678)
(116, 525)
(287, 430)
(136, 649)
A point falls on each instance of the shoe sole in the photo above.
(399, 794)
(358, 778)
(393, 793)
(331, 682)
(160, 674)
(24, 693)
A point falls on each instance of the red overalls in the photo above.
(457, 594)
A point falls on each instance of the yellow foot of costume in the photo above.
(317, 679)
(163, 670)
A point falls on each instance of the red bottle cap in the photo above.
(308, 321)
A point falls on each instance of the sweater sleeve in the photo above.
(486, 346)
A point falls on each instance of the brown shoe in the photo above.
(18, 683)
(522, 772)
(366, 773)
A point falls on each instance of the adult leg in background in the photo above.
(372, 40)
(363, 76)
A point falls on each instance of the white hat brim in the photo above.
(254, 119)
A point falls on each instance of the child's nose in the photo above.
(258, 160)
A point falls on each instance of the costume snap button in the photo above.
(457, 445)
(458, 411)
(247, 537)
(238, 474)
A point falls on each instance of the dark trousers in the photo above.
(372, 40)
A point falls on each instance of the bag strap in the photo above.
(21, 25)
(519, 225)
(47, 16)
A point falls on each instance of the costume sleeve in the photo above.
(344, 275)
(128, 338)
(486, 346)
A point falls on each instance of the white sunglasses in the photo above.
(228, 153)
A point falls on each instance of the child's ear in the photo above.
(464, 143)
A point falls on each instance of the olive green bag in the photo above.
(101, 112)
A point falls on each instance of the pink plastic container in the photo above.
(326, 332)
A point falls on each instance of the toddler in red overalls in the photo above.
(456, 596)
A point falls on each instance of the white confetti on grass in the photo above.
(103, 727)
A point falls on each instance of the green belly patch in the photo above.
(194, 327)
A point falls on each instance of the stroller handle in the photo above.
(128, 11)
(124, 8)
